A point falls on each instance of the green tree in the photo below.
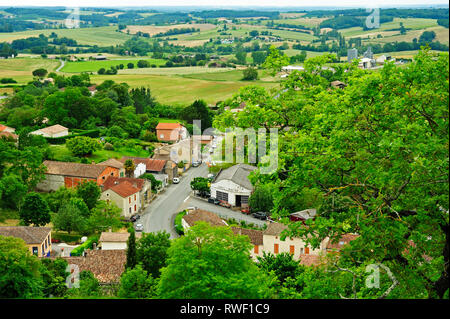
(12, 191)
(241, 57)
(259, 57)
(212, 262)
(53, 272)
(197, 111)
(250, 74)
(135, 283)
(69, 218)
(131, 250)
(275, 61)
(105, 215)
(151, 252)
(261, 199)
(82, 145)
(200, 184)
(40, 73)
(90, 192)
(34, 210)
(20, 276)
(129, 168)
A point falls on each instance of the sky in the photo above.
(270, 3)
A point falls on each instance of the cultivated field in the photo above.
(20, 68)
(94, 66)
(152, 30)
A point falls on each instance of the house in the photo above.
(290, 68)
(52, 131)
(100, 57)
(233, 186)
(114, 240)
(7, 129)
(366, 63)
(170, 132)
(296, 246)
(38, 239)
(256, 239)
(143, 185)
(152, 166)
(197, 215)
(112, 162)
(126, 196)
(106, 265)
(303, 215)
(9, 136)
(140, 166)
(70, 174)
(92, 89)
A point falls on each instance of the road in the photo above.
(160, 214)
(61, 66)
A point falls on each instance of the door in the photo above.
(275, 248)
(291, 249)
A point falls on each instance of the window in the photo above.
(129, 209)
(291, 249)
(222, 196)
(35, 250)
(112, 173)
(134, 207)
(301, 251)
(275, 248)
(135, 197)
(256, 249)
(129, 200)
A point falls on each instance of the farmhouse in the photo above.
(112, 162)
(170, 132)
(125, 195)
(70, 174)
(233, 186)
(38, 239)
(114, 240)
(52, 131)
(143, 185)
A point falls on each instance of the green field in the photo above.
(101, 36)
(93, 66)
(20, 68)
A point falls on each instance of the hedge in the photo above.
(88, 244)
(178, 225)
(62, 139)
(67, 238)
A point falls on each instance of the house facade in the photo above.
(125, 196)
(70, 174)
(38, 239)
(112, 162)
(114, 240)
(143, 185)
(233, 186)
(171, 132)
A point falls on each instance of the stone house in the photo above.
(197, 215)
(143, 185)
(170, 132)
(126, 196)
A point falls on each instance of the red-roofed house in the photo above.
(4, 128)
(170, 132)
(144, 186)
(126, 196)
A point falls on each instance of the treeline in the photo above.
(344, 21)
(177, 31)
(231, 14)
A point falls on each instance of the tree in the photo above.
(212, 262)
(105, 215)
(20, 271)
(40, 73)
(90, 192)
(201, 184)
(197, 111)
(427, 36)
(130, 65)
(241, 57)
(53, 273)
(258, 57)
(154, 182)
(151, 252)
(136, 283)
(275, 61)
(129, 168)
(101, 71)
(131, 250)
(12, 191)
(143, 64)
(250, 74)
(261, 200)
(69, 218)
(89, 286)
(34, 210)
(283, 265)
(82, 145)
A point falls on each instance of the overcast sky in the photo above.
(271, 3)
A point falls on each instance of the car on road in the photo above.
(214, 201)
(139, 227)
(195, 164)
(175, 180)
(135, 218)
(224, 204)
(245, 210)
(260, 215)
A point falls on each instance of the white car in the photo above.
(139, 227)
(175, 180)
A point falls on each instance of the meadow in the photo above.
(94, 66)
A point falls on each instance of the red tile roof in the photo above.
(202, 215)
(310, 260)
(168, 126)
(112, 181)
(344, 240)
(154, 165)
(124, 189)
(256, 236)
(4, 127)
(74, 169)
(9, 135)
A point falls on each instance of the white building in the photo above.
(291, 68)
(115, 241)
(126, 196)
(233, 186)
(52, 131)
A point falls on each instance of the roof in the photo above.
(111, 181)
(310, 260)
(74, 169)
(168, 126)
(106, 265)
(256, 236)
(344, 240)
(124, 189)
(238, 174)
(306, 214)
(53, 129)
(4, 127)
(275, 229)
(112, 162)
(202, 215)
(8, 134)
(116, 237)
(151, 164)
(31, 235)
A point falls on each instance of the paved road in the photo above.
(61, 66)
(159, 215)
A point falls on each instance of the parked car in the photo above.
(214, 201)
(135, 218)
(175, 180)
(245, 210)
(195, 164)
(139, 227)
(260, 215)
(224, 204)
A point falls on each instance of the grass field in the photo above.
(20, 68)
(94, 66)
(152, 30)
(101, 36)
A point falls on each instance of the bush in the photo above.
(178, 225)
(88, 244)
(7, 80)
(108, 147)
(250, 74)
(143, 64)
(67, 238)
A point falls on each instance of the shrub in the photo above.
(67, 238)
(178, 225)
(108, 147)
(88, 244)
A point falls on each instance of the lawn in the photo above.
(20, 68)
(94, 66)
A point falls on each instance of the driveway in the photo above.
(160, 214)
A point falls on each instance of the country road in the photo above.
(61, 66)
